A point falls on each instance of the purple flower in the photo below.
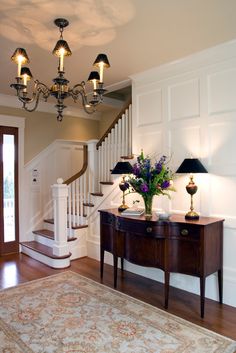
(144, 187)
(136, 169)
(158, 167)
(165, 184)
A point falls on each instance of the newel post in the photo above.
(93, 163)
(60, 195)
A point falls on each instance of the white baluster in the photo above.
(108, 156)
(119, 140)
(99, 167)
(113, 160)
(122, 138)
(69, 211)
(81, 213)
(102, 161)
(73, 203)
(77, 191)
(106, 167)
(116, 154)
(126, 137)
(130, 130)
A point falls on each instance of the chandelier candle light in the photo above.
(60, 88)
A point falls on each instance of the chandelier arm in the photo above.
(36, 99)
(42, 88)
(39, 88)
(75, 93)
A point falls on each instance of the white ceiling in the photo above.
(135, 34)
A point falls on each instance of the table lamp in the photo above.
(123, 168)
(191, 165)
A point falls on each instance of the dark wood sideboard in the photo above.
(176, 245)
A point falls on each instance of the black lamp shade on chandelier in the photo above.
(123, 168)
(192, 166)
(60, 88)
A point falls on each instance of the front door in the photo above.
(9, 220)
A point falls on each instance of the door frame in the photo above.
(18, 122)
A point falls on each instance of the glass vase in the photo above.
(147, 199)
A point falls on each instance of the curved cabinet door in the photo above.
(184, 249)
(144, 250)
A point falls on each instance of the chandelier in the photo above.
(60, 88)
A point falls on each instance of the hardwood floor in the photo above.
(15, 269)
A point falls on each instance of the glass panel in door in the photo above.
(9, 224)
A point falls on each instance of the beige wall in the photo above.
(41, 129)
(106, 120)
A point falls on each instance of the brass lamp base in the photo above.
(192, 215)
(122, 207)
(191, 189)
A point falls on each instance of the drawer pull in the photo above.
(149, 229)
(184, 232)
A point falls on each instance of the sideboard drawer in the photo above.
(142, 228)
(107, 218)
(185, 231)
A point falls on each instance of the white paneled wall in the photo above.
(188, 108)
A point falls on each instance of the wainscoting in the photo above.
(188, 108)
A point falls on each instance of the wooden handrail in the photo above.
(119, 116)
(82, 170)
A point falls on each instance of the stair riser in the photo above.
(74, 232)
(54, 263)
(43, 240)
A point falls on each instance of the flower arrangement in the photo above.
(149, 180)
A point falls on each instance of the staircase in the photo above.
(76, 200)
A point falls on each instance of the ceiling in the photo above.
(135, 34)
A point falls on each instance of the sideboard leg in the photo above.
(101, 262)
(115, 262)
(220, 284)
(202, 295)
(167, 282)
(122, 264)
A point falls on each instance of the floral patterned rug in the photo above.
(68, 313)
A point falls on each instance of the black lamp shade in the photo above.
(122, 168)
(101, 58)
(61, 43)
(191, 165)
(20, 52)
(26, 71)
(94, 75)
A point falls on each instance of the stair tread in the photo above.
(127, 157)
(106, 182)
(88, 204)
(43, 249)
(96, 194)
(45, 232)
(76, 226)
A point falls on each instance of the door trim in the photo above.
(19, 122)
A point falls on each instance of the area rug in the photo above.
(68, 313)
